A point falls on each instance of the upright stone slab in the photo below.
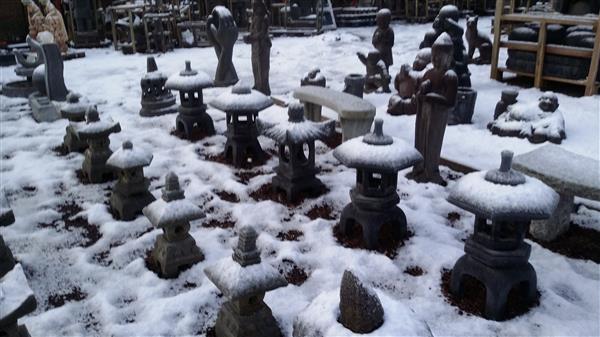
(360, 308)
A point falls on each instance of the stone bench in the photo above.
(356, 115)
(567, 173)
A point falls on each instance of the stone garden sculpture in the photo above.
(436, 97)
(478, 41)
(156, 99)
(49, 20)
(383, 37)
(261, 46)
(222, 32)
(74, 111)
(508, 98)
(314, 77)
(377, 73)
(35, 18)
(406, 83)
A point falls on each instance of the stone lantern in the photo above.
(243, 279)
(95, 132)
(377, 159)
(175, 249)
(192, 118)
(156, 99)
(74, 111)
(504, 203)
(130, 194)
(241, 106)
(296, 170)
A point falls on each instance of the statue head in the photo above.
(472, 22)
(442, 52)
(259, 8)
(26, 2)
(373, 56)
(423, 59)
(548, 102)
(383, 18)
(447, 12)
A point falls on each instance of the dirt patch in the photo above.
(68, 210)
(414, 271)
(293, 273)
(28, 188)
(220, 223)
(245, 176)
(291, 235)
(227, 196)
(267, 192)
(334, 141)
(387, 244)
(321, 211)
(577, 243)
(473, 301)
(220, 158)
(58, 300)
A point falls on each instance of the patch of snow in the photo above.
(163, 214)
(14, 291)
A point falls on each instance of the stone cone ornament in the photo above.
(360, 308)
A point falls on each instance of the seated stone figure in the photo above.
(478, 41)
(406, 83)
(537, 121)
(377, 74)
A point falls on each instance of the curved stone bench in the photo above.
(356, 115)
(569, 174)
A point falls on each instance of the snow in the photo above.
(394, 157)
(153, 75)
(126, 158)
(296, 132)
(14, 291)
(235, 281)
(233, 102)
(95, 128)
(163, 214)
(530, 200)
(124, 298)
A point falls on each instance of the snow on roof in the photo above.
(297, 132)
(156, 74)
(94, 128)
(241, 99)
(235, 281)
(129, 157)
(394, 157)
(530, 200)
(189, 80)
(14, 291)
(163, 214)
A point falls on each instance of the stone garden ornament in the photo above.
(314, 77)
(261, 46)
(222, 32)
(478, 41)
(360, 308)
(406, 82)
(377, 72)
(156, 99)
(26, 64)
(74, 111)
(7, 217)
(383, 37)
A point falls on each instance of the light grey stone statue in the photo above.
(261, 46)
(175, 249)
(222, 32)
(360, 308)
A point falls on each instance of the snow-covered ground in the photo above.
(119, 296)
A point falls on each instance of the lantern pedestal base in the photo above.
(239, 149)
(172, 257)
(72, 142)
(158, 107)
(129, 207)
(190, 124)
(260, 323)
(371, 222)
(293, 188)
(94, 167)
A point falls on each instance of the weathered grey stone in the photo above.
(356, 115)
(42, 108)
(48, 77)
(27, 62)
(74, 111)
(360, 308)
(7, 260)
(478, 41)
(508, 98)
(7, 216)
(377, 76)
(261, 46)
(383, 37)
(222, 32)
(156, 99)
(567, 173)
(314, 77)
(354, 85)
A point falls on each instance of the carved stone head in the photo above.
(442, 52)
(548, 102)
(383, 18)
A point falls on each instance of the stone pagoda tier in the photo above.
(95, 132)
(377, 159)
(241, 107)
(296, 171)
(504, 202)
(175, 249)
(192, 119)
(130, 194)
(74, 111)
(244, 279)
(156, 99)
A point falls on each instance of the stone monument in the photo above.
(261, 46)
(156, 99)
(222, 32)
(360, 308)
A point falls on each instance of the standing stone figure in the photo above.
(222, 32)
(261, 46)
(53, 22)
(383, 38)
(377, 72)
(435, 98)
(35, 18)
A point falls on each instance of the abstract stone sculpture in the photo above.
(377, 159)
(360, 308)
(192, 121)
(244, 279)
(95, 132)
(53, 23)
(383, 37)
(27, 62)
(74, 111)
(130, 193)
(314, 77)
(156, 99)
(538, 122)
(478, 41)
(241, 107)
(354, 84)
(508, 98)
(296, 171)
(377, 73)
(436, 97)
(222, 32)
(175, 249)
(261, 46)
(504, 203)
(7, 217)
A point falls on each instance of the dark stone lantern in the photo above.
(74, 111)
(504, 203)
(175, 249)
(192, 118)
(156, 99)
(244, 279)
(242, 106)
(95, 132)
(130, 194)
(296, 170)
(377, 159)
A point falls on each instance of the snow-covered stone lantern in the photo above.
(244, 279)
(95, 132)
(377, 159)
(192, 119)
(175, 249)
(504, 202)
(74, 111)
(130, 193)
(296, 170)
(241, 107)
(156, 99)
